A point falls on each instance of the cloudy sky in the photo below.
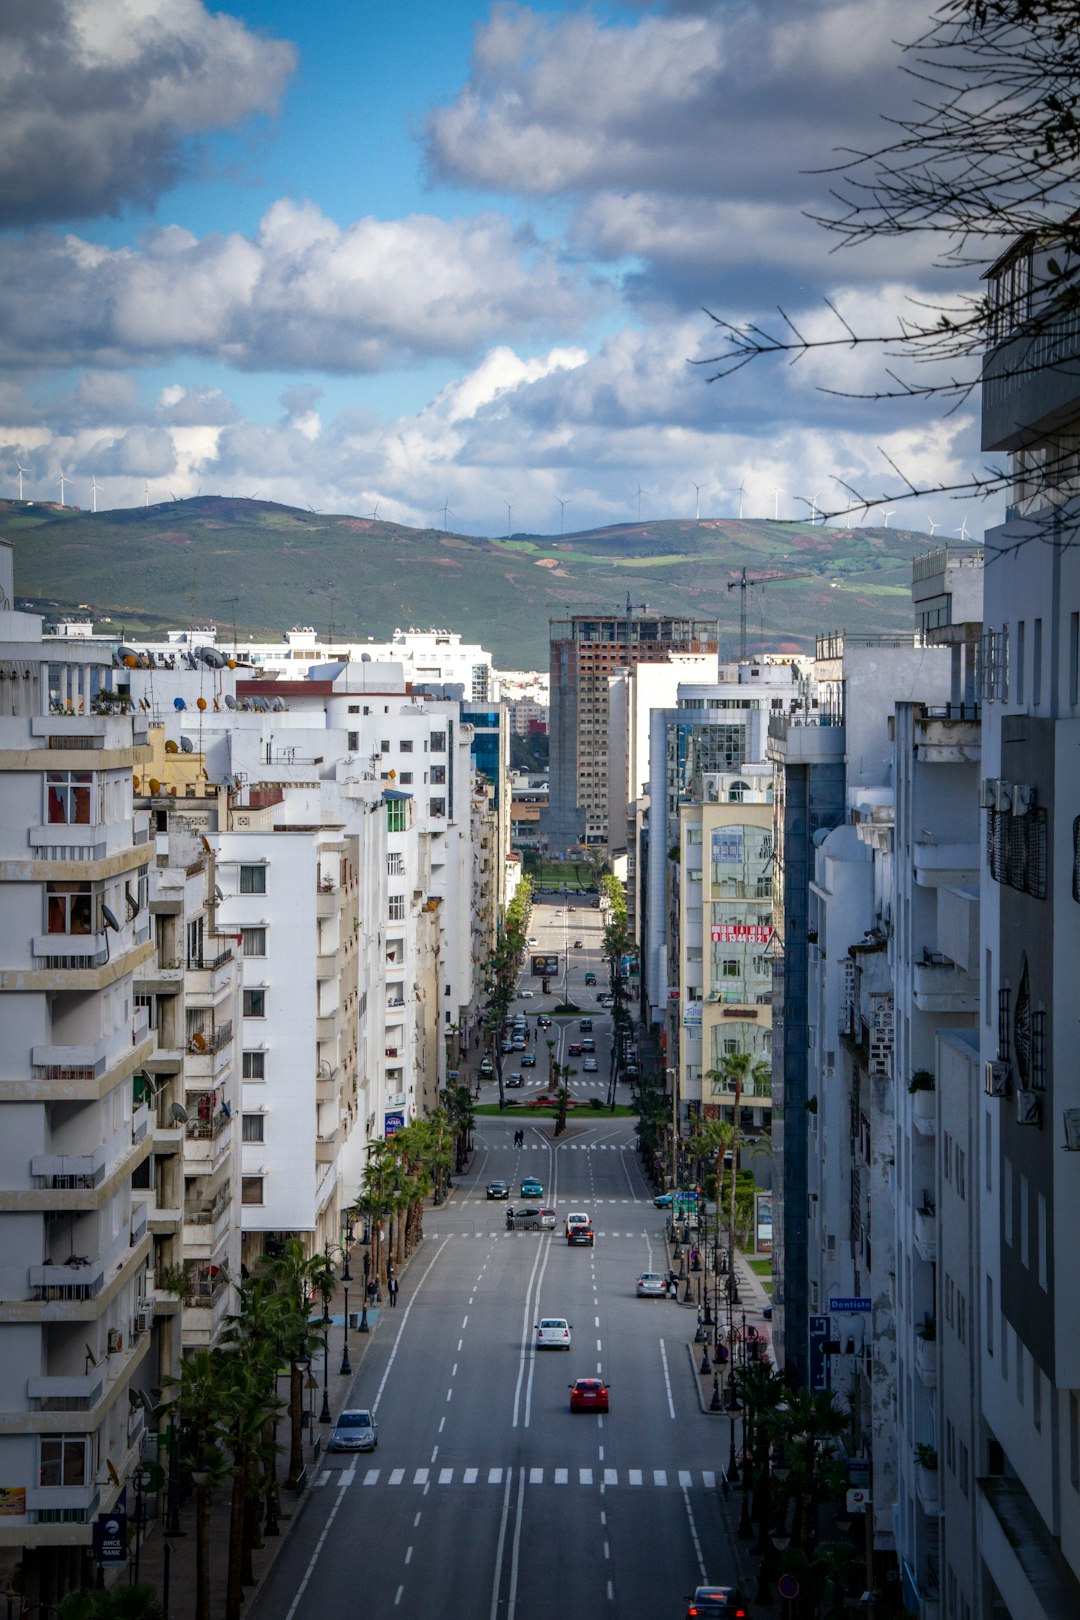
(448, 258)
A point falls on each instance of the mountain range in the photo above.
(258, 569)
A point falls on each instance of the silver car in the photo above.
(355, 1430)
(651, 1285)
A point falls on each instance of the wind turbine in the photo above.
(376, 511)
(814, 508)
(640, 493)
(445, 513)
(563, 504)
(934, 527)
(94, 490)
(889, 514)
(777, 492)
(509, 520)
(962, 531)
(740, 492)
(62, 480)
(146, 493)
(21, 470)
(697, 502)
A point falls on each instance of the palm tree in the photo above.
(735, 1070)
(120, 1603)
(200, 1401)
(297, 1281)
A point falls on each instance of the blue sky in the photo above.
(350, 255)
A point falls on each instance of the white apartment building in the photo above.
(426, 656)
(75, 1303)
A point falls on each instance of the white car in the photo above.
(553, 1333)
(590, 1066)
(526, 995)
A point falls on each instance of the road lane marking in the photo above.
(562, 1476)
(667, 1378)
(372, 1475)
(470, 1476)
(396, 1476)
(497, 1575)
(408, 1555)
(420, 1477)
(403, 1325)
(693, 1530)
(659, 1476)
(635, 1476)
(611, 1476)
(515, 1553)
(445, 1476)
(686, 1479)
(585, 1476)
(494, 1476)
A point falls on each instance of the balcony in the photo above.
(58, 1394)
(68, 1172)
(82, 1280)
(208, 1139)
(327, 901)
(69, 842)
(926, 1238)
(926, 1361)
(924, 1111)
(70, 952)
(204, 1228)
(140, 1123)
(941, 987)
(62, 1504)
(140, 1214)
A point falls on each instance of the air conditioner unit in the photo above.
(1023, 798)
(1003, 796)
(996, 1078)
(1028, 1108)
(144, 1319)
(114, 1342)
(987, 793)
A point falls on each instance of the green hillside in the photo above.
(266, 568)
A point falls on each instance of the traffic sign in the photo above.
(787, 1586)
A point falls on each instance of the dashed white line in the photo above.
(667, 1378)
(408, 1555)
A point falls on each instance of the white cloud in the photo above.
(304, 293)
(101, 98)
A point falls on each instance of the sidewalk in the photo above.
(169, 1565)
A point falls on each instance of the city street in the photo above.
(486, 1496)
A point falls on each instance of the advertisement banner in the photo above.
(818, 1380)
(763, 1222)
(12, 1501)
(109, 1538)
(740, 933)
(544, 966)
(392, 1123)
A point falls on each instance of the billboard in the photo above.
(544, 967)
(740, 933)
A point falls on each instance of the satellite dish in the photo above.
(170, 746)
(113, 1475)
(178, 1114)
(110, 919)
(187, 745)
(278, 705)
(230, 701)
(365, 658)
(178, 704)
(155, 786)
(229, 782)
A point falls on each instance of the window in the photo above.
(354, 708)
(353, 741)
(437, 807)
(437, 775)
(961, 1172)
(730, 968)
(438, 742)
(253, 880)
(396, 908)
(254, 941)
(254, 1003)
(406, 745)
(251, 1129)
(396, 815)
(405, 778)
(68, 794)
(63, 1460)
(251, 1189)
(254, 1065)
(395, 864)
(384, 746)
(69, 908)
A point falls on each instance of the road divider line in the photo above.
(667, 1377)
(515, 1550)
(405, 1322)
(526, 1339)
(496, 1580)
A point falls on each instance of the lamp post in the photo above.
(364, 1327)
(324, 1415)
(330, 1250)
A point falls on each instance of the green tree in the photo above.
(297, 1280)
(200, 1398)
(119, 1602)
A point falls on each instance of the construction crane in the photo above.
(742, 585)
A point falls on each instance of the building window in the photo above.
(253, 880)
(353, 741)
(254, 941)
(406, 745)
(69, 908)
(354, 708)
(254, 1003)
(68, 794)
(254, 1065)
(1016, 850)
(395, 864)
(63, 1460)
(384, 746)
(251, 1189)
(437, 775)
(438, 742)
(396, 816)
(405, 778)
(396, 908)
(251, 1129)
(437, 807)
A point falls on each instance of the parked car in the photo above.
(532, 939)
(579, 944)
(531, 1188)
(506, 1045)
(355, 1430)
(631, 1071)
(498, 1189)
(553, 1333)
(590, 1066)
(651, 1285)
(589, 1395)
(716, 1603)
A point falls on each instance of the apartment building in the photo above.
(76, 1309)
(586, 650)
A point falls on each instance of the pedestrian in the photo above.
(673, 1289)
(372, 1291)
(392, 1288)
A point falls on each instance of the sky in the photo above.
(452, 263)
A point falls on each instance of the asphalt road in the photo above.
(486, 1498)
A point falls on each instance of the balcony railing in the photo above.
(68, 1172)
(203, 1130)
(60, 1394)
(81, 1280)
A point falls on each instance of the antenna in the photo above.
(94, 489)
(21, 470)
(62, 480)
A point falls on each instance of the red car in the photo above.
(588, 1395)
(574, 1049)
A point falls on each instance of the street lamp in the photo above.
(346, 1278)
(324, 1415)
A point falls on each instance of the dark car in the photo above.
(574, 1049)
(716, 1603)
(528, 1060)
(498, 1189)
(581, 1237)
(543, 1022)
(515, 1080)
(579, 944)
(590, 978)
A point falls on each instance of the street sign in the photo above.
(848, 1307)
(788, 1586)
(858, 1501)
(109, 1538)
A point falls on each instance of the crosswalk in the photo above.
(577, 1147)
(482, 1232)
(608, 1478)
